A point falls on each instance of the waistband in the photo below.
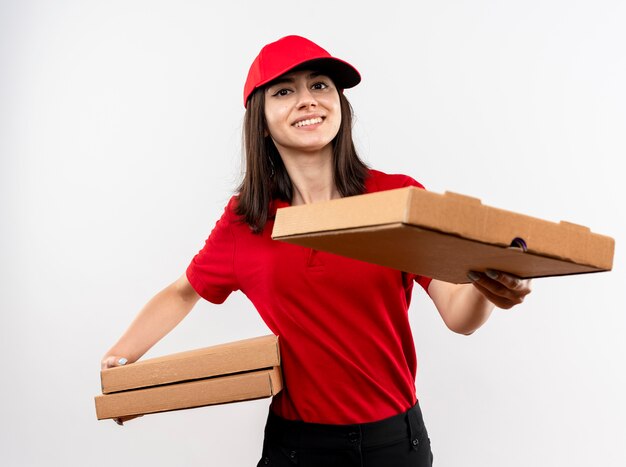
(298, 434)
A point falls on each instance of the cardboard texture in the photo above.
(443, 236)
(223, 359)
(219, 390)
(231, 372)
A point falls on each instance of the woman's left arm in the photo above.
(466, 307)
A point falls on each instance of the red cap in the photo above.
(285, 54)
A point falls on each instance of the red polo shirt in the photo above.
(346, 345)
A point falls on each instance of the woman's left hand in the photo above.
(502, 289)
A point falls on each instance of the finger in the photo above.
(520, 287)
(131, 417)
(107, 363)
(496, 288)
(120, 420)
(508, 280)
(498, 293)
(503, 284)
(112, 361)
(497, 300)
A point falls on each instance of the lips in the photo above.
(308, 121)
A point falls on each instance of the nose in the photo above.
(305, 98)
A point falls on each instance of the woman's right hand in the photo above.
(112, 361)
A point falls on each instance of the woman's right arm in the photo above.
(158, 317)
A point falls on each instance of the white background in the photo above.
(120, 144)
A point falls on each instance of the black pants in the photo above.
(398, 441)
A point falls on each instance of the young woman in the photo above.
(348, 356)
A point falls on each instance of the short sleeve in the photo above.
(211, 272)
(408, 181)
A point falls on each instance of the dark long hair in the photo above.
(266, 177)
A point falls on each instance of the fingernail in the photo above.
(473, 276)
(491, 274)
(122, 361)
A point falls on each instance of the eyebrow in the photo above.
(277, 81)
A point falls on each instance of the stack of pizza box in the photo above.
(231, 372)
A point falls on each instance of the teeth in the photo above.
(311, 121)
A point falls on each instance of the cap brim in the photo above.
(342, 73)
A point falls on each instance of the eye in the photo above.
(319, 85)
(282, 92)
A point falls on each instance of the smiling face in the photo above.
(303, 112)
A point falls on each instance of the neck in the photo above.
(311, 176)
